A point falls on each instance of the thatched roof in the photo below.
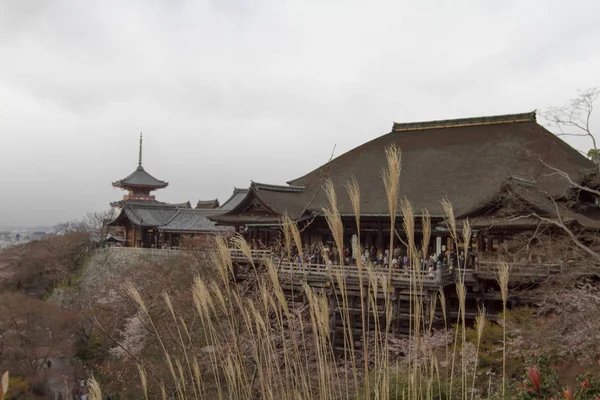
(465, 160)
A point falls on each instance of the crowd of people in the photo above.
(396, 259)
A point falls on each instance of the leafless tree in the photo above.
(94, 224)
(574, 119)
(33, 330)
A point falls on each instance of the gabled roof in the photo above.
(235, 199)
(207, 204)
(466, 160)
(193, 220)
(529, 201)
(186, 204)
(140, 178)
(149, 215)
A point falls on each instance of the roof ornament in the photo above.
(140, 156)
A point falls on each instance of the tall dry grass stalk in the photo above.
(503, 275)
(238, 242)
(354, 194)
(426, 227)
(461, 293)
(449, 218)
(93, 389)
(408, 222)
(479, 326)
(143, 380)
(451, 224)
(4, 385)
(295, 232)
(287, 235)
(466, 245)
(391, 182)
(334, 219)
(443, 305)
(221, 259)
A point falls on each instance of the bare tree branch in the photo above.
(568, 178)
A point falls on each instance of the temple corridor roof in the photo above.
(173, 217)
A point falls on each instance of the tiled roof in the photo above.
(140, 178)
(149, 215)
(235, 199)
(207, 204)
(169, 217)
(193, 221)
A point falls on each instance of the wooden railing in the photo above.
(520, 269)
(256, 254)
(444, 275)
(323, 271)
(351, 271)
(141, 251)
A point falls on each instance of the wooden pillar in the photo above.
(257, 237)
(449, 243)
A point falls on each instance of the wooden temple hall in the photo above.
(496, 171)
(143, 221)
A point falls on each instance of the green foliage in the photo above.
(524, 389)
(588, 387)
(17, 387)
(490, 348)
(521, 316)
(399, 388)
(91, 347)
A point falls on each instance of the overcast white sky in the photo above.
(230, 91)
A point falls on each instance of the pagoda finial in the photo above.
(140, 157)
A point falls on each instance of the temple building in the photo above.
(500, 172)
(149, 223)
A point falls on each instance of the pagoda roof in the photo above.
(140, 178)
(464, 160)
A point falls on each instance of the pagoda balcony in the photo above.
(133, 196)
